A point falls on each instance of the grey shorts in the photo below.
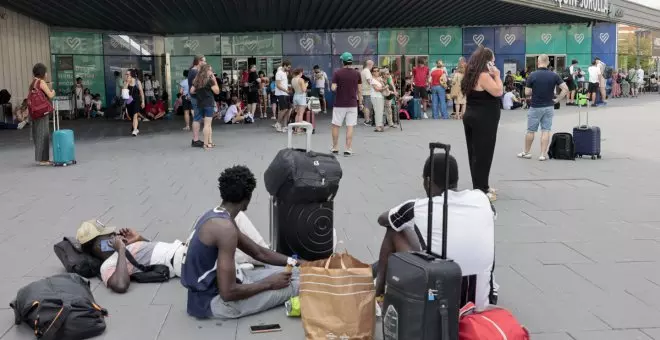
(257, 303)
(366, 101)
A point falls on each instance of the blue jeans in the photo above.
(439, 98)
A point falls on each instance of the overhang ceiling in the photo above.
(166, 17)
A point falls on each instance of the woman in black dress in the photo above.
(482, 86)
(253, 89)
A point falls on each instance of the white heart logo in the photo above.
(251, 45)
(445, 39)
(74, 43)
(510, 38)
(478, 38)
(354, 40)
(114, 43)
(307, 43)
(546, 37)
(579, 38)
(604, 37)
(191, 45)
(402, 39)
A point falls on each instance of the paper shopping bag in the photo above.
(337, 299)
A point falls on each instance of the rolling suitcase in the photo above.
(64, 149)
(415, 108)
(586, 139)
(302, 228)
(423, 292)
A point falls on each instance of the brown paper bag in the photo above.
(337, 299)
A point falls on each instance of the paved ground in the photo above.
(577, 242)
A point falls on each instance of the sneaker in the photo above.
(284, 129)
(197, 144)
(21, 124)
(145, 120)
(277, 126)
(186, 128)
(334, 151)
(135, 132)
(525, 155)
(367, 123)
(492, 196)
(348, 152)
(542, 158)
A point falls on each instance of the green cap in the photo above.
(346, 56)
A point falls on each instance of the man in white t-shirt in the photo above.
(509, 100)
(321, 81)
(471, 232)
(365, 80)
(282, 94)
(594, 81)
(640, 78)
(602, 82)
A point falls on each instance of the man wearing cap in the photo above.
(104, 243)
(345, 84)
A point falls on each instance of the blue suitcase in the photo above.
(64, 149)
(415, 108)
(586, 139)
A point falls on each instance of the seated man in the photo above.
(510, 101)
(217, 287)
(105, 244)
(471, 239)
(155, 109)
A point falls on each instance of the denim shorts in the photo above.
(204, 112)
(540, 116)
(299, 99)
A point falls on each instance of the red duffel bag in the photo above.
(492, 324)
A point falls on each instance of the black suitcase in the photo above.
(423, 292)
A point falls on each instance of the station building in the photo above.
(93, 39)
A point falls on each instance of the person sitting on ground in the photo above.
(233, 114)
(471, 238)
(21, 115)
(155, 109)
(97, 105)
(509, 100)
(217, 287)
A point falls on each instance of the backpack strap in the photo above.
(51, 332)
(135, 263)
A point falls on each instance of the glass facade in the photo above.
(635, 47)
(95, 56)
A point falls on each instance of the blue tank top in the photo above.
(199, 269)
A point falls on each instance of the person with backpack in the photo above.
(40, 107)
(541, 87)
(570, 78)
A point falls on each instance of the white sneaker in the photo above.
(542, 158)
(145, 120)
(22, 124)
(277, 126)
(135, 132)
(284, 129)
(525, 155)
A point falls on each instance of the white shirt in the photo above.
(373, 92)
(365, 74)
(232, 111)
(594, 74)
(507, 100)
(320, 79)
(471, 238)
(640, 76)
(148, 89)
(283, 80)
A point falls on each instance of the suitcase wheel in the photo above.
(598, 156)
(593, 157)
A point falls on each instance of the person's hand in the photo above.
(278, 280)
(142, 105)
(129, 235)
(494, 71)
(117, 243)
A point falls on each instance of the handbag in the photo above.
(38, 105)
(148, 274)
(125, 94)
(493, 323)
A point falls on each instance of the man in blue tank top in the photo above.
(217, 287)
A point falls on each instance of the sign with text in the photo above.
(599, 6)
(365, 42)
(473, 37)
(252, 45)
(547, 39)
(578, 39)
(510, 40)
(90, 69)
(313, 43)
(603, 39)
(76, 43)
(509, 62)
(63, 74)
(404, 42)
(446, 40)
(193, 45)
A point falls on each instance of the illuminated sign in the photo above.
(600, 6)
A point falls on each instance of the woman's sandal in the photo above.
(46, 163)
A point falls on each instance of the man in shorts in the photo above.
(541, 86)
(421, 82)
(365, 88)
(345, 84)
(320, 83)
(184, 90)
(282, 93)
(594, 81)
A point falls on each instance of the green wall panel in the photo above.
(76, 43)
(446, 40)
(403, 41)
(90, 69)
(578, 39)
(193, 45)
(548, 39)
(584, 61)
(252, 45)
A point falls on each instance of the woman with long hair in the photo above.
(456, 93)
(299, 95)
(135, 101)
(204, 87)
(482, 87)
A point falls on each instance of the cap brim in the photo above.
(107, 230)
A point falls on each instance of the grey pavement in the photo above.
(577, 242)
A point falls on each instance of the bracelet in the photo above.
(290, 261)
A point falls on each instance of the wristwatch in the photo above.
(290, 261)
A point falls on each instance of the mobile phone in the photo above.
(105, 246)
(275, 327)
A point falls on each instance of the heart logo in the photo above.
(546, 37)
(478, 38)
(510, 38)
(604, 37)
(191, 45)
(402, 39)
(114, 43)
(307, 43)
(445, 39)
(354, 40)
(251, 45)
(579, 38)
(74, 43)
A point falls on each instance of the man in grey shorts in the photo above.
(365, 80)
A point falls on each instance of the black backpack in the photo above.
(75, 260)
(566, 73)
(59, 307)
(562, 146)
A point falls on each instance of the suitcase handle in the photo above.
(308, 130)
(445, 207)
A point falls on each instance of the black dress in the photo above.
(253, 88)
(481, 119)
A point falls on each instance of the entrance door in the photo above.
(394, 64)
(557, 62)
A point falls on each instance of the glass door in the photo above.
(394, 64)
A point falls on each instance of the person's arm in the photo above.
(47, 91)
(192, 90)
(260, 253)
(120, 279)
(564, 90)
(399, 217)
(214, 86)
(303, 86)
(326, 82)
(376, 85)
(491, 83)
(139, 85)
(334, 87)
(528, 86)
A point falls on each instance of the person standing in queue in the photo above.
(135, 100)
(198, 62)
(482, 87)
(204, 87)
